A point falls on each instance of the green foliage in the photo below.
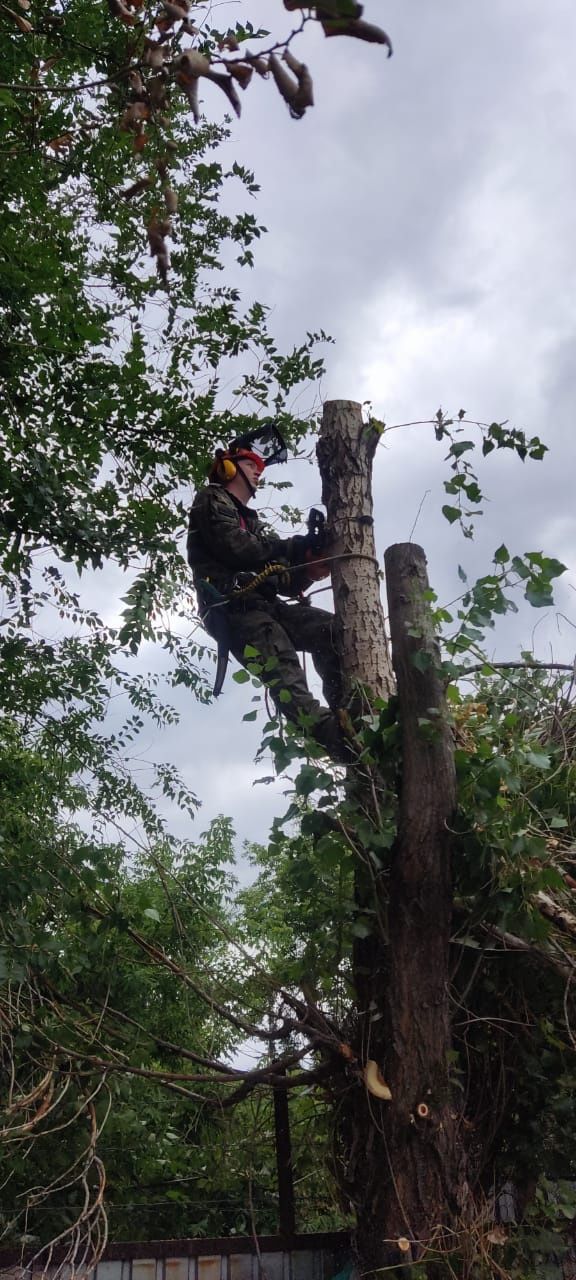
(110, 394)
(514, 854)
(487, 599)
(464, 484)
(111, 408)
(323, 890)
(110, 398)
(301, 907)
(85, 993)
(109, 968)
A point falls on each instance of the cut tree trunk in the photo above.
(402, 1161)
(428, 1191)
(345, 451)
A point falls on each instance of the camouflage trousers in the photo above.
(277, 631)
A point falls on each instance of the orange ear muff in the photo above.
(223, 468)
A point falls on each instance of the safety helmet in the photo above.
(224, 466)
(264, 446)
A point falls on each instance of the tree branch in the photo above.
(564, 920)
(159, 956)
(516, 666)
(270, 1076)
(512, 943)
(67, 88)
(304, 1078)
(264, 1075)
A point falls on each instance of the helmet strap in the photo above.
(240, 468)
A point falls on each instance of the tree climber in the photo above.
(241, 572)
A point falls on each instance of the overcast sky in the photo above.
(423, 213)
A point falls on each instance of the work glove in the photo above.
(311, 569)
(314, 566)
(301, 545)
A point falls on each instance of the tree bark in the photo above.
(428, 1189)
(402, 1161)
(345, 451)
(407, 1160)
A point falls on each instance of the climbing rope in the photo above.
(258, 580)
(282, 570)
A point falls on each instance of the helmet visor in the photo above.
(265, 443)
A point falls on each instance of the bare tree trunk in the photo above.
(428, 1191)
(403, 1161)
(345, 450)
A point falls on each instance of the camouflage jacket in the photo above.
(227, 539)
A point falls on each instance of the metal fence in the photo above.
(309, 1257)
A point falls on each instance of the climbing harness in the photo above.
(214, 613)
(214, 605)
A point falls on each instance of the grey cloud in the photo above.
(423, 213)
(417, 175)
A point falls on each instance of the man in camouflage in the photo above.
(228, 547)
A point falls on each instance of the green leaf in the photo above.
(539, 594)
(520, 567)
(241, 677)
(152, 914)
(551, 878)
(502, 555)
(538, 759)
(553, 568)
(311, 778)
(460, 447)
(472, 491)
(451, 514)
(329, 850)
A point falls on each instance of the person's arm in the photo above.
(217, 520)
